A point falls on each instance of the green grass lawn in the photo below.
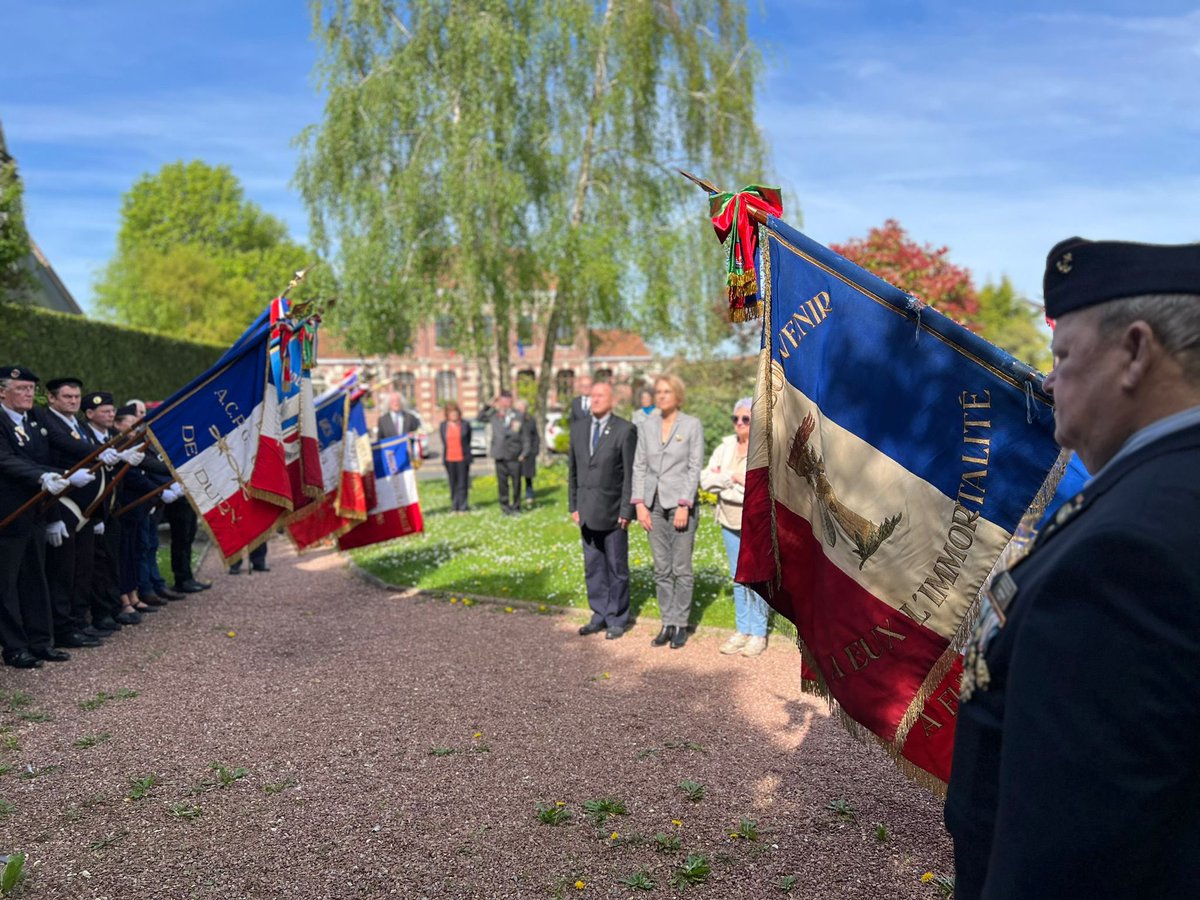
(536, 556)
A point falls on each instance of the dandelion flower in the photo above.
(231, 634)
(615, 835)
(477, 735)
(733, 834)
(453, 599)
(579, 885)
(559, 803)
(676, 822)
(926, 878)
(508, 609)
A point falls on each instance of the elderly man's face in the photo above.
(1086, 387)
(396, 402)
(602, 399)
(18, 396)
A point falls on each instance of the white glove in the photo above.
(133, 457)
(53, 483)
(109, 456)
(56, 532)
(173, 493)
(80, 477)
(99, 529)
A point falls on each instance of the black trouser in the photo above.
(606, 570)
(508, 480)
(106, 598)
(69, 577)
(459, 474)
(25, 619)
(183, 522)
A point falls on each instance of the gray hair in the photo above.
(1174, 319)
(747, 402)
(521, 405)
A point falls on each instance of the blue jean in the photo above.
(749, 609)
(149, 579)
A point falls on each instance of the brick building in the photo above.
(433, 373)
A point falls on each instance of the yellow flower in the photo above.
(231, 634)
(926, 878)
(579, 885)
(508, 609)
(467, 601)
(615, 835)
(477, 735)
(733, 834)
(559, 803)
(453, 599)
(541, 607)
(606, 675)
(676, 822)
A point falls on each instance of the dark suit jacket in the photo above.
(465, 431)
(65, 452)
(1076, 771)
(599, 484)
(22, 466)
(530, 445)
(581, 410)
(387, 428)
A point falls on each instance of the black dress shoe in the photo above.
(680, 638)
(614, 633)
(77, 639)
(591, 628)
(664, 636)
(50, 654)
(191, 587)
(260, 568)
(128, 618)
(21, 659)
(153, 599)
(107, 625)
(168, 595)
(235, 569)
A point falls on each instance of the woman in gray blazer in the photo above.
(666, 481)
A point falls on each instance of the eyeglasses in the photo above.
(740, 420)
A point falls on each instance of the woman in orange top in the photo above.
(456, 453)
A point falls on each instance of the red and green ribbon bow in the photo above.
(735, 226)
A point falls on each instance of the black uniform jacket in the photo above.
(600, 483)
(22, 464)
(65, 452)
(1077, 769)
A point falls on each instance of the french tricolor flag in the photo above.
(220, 436)
(893, 455)
(344, 503)
(396, 511)
(292, 382)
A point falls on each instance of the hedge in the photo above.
(124, 361)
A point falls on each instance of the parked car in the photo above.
(481, 438)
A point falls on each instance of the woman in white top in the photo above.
(725, 476)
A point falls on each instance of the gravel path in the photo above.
(331, 694)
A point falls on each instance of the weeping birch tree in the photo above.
(486, 160)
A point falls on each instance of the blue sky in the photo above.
(996, 129)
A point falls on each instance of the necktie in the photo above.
(587, 404)
(595, 434)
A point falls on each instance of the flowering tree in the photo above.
(922, 270)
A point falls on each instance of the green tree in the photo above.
(1013, 323)
(494, 159)
(14, 239)
(195, 258)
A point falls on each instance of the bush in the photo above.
(124, 361)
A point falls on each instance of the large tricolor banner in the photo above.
(344, 503)
(396, 511)
(220, 437)
(893, 456)
(291, 354)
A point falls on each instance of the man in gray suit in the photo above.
(509, 446)
(599, 480)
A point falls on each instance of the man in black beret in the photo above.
(26, 630)
(1076, 762)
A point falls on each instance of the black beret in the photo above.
(127, 410)
(18, 373)
(96, 399)
(55, 383)
(1082, 273)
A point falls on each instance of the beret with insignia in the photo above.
(1082, 273)
(127, 410)
(96, 399)
(18, 373)
(55, 383)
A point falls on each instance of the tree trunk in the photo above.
(562, 292)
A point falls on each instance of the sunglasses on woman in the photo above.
(740, 420)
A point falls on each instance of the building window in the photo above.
(525, 329)
(443, 334)
(445, 388)
(566, 335)
(406, 385)
(564, 384)
(603, 375)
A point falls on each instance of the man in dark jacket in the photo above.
(599, 487)
(1076, 772)
(509, 445)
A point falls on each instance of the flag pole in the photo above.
(145, 498)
